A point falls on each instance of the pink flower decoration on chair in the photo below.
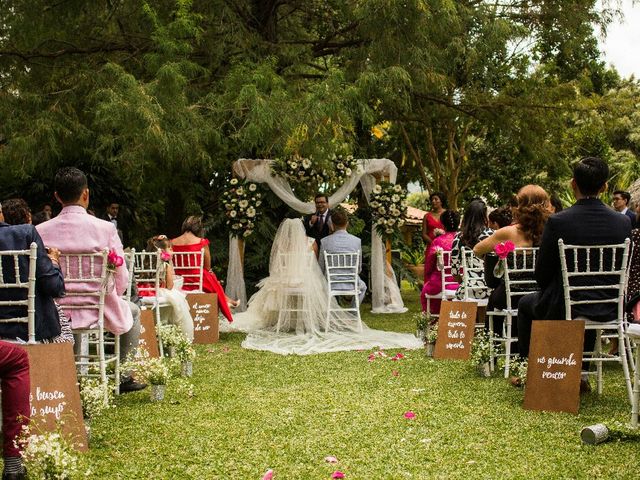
(409, 415)
(114, 260)
(337, 474)
(268, 475)
(165, 256)
(504, 248)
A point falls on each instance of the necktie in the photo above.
(320, 223)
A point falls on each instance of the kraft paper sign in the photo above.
(148, 335)
(455, 330)
(204, 310)
(55, 398)
(555, 364)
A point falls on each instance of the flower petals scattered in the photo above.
(331, 459)
(268, 475)
(409, 415)
(395, 373)
(337, 474)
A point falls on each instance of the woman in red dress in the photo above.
(431, 224)
(191, 241)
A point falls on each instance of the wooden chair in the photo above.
(11, 278)
(343, 281)
(601, 269)
(86, 286)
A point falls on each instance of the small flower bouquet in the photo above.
(171, 335)
(518, 369)
(96, 397)
(502, 250)
(114, 261)
(241, 203)
(422, 320)
(389, 206)
(48, 456)
(481, 352)
(147, 369)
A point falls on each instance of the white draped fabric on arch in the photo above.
(385, 294)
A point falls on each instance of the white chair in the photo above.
(149, 271)
(341, 271)
(599, 269)
(129, 258)
(633, 335)
(293, 293)
(472, 270)
(519, 280)
(448, 291)
(190, 266)
(10, 278)
(86, 283)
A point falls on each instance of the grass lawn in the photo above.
(254, 411)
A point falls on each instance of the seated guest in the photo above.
(74, 231)
(179, 314)
(474, 228)
(587, 222)
(49, 283)
(17, 212)
(341, 241)
(191, 241)
(450, 219)
(15, 387)
(530, 214)
(38, 218)
(500, 217)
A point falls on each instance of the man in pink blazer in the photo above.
(75, 231)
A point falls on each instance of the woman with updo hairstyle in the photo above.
(433, 280)
(533, 208)
(192, 240)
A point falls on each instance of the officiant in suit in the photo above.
(319, 225)
(587, 222)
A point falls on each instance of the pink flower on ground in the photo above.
(225, 349)
(395, 373)
(268, 475)
(409, 415)
(371, 358)
(331, 459)
(337, 474)
(503, 249)
(397, 356)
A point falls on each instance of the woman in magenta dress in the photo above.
(431, 224)
(433, 281)
(191, 241)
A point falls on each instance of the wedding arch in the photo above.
(385, 294)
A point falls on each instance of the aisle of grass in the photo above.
(254, 410)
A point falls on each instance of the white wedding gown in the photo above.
(288, 313)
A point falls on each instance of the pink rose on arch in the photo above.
(504, 248)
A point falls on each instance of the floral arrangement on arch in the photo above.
(305, 172)
(389, 206)
(241, 204)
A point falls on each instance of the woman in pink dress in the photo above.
(431, 224)
(191, 241)
(433, 280)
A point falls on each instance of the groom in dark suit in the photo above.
(587, 222)
(319, 224)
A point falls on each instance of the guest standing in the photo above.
(431, 224)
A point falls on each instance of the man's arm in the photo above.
(122, 274)
(49, 279)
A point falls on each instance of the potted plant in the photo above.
(518, 371)
(48, 455)
(170, 335)
(414, 261)
(430, 338)
(96, 397)
(481, 353)
(153, 371)
(185, 353)
(422, 320)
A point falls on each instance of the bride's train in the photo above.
(288, 314)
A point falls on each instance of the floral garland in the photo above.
(241, 202)
(304, 171)
(389, 206)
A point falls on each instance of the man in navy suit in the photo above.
(621, 201)
(587, 222)
(319, 225)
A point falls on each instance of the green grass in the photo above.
(256, 410)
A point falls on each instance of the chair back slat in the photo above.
(149, 272)
(342, 270)
(601, 269)
(11, 277)
(519, 274)
(472, 269)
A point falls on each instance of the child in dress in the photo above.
(179, 314)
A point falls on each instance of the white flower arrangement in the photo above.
(481, 348)
(305, 172)
(154, 371)
(241, 204)
(48, 455)
(388, 208)
(96, 397)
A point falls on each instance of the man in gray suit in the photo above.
(342, 242)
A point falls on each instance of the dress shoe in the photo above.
(515, 381)
(585, 386)
(131, 385)
(15, 476)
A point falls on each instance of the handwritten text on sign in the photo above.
(455, 330)
(204, 310)
(555, 361)
(49, 403)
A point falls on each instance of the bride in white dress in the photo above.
(288, 312)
